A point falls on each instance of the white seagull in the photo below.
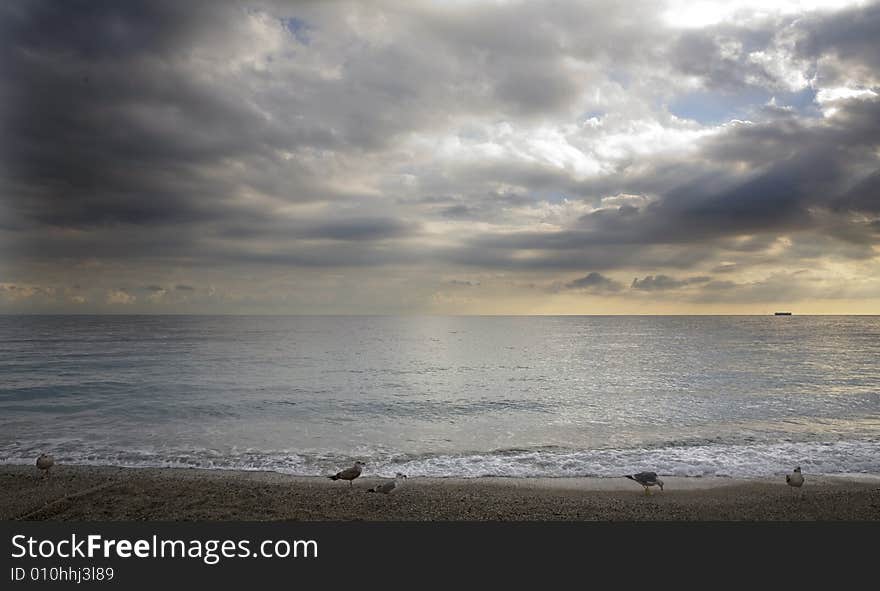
(44, 462)
(349, 473)
(387, 487)
(795, 479)
(646, 479)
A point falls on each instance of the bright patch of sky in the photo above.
(689, 14)
(714, 108)
(298, 28)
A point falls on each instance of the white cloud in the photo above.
(829, 99)
(830, 95)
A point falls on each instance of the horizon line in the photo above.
(413, 315)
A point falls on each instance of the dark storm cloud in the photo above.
(101, 126)
(111, 127)
(794, 167)
(106, 29)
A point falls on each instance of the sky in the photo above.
(431, 157)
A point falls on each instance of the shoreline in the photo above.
(106, 493)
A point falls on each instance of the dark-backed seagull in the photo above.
(795, 479)
(387, 487)
(646, 479)
(44, 462)
(349, 473)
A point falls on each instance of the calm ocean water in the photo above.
(445, 396)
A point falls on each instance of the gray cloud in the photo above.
(848, 37)
(864, 197)
(719, 56)
(190, 139)
(793, 184)
(665, 282)
(594, 281)
(359, 229)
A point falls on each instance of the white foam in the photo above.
(695, 461)
(839, 457)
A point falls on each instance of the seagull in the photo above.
(646, 479)
(387, 487)
(795, 479)
(44, 462)
(349, 473)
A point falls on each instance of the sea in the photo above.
(567, 396)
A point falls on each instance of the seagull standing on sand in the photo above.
(646, 479)
(44, 462)
(387, 487)
(795, 479)
(349, 473)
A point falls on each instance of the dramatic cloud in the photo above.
(341, 157)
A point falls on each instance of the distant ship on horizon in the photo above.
(782, 313)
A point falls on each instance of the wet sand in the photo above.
(89, 493)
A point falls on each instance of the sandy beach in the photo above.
(89, 493)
